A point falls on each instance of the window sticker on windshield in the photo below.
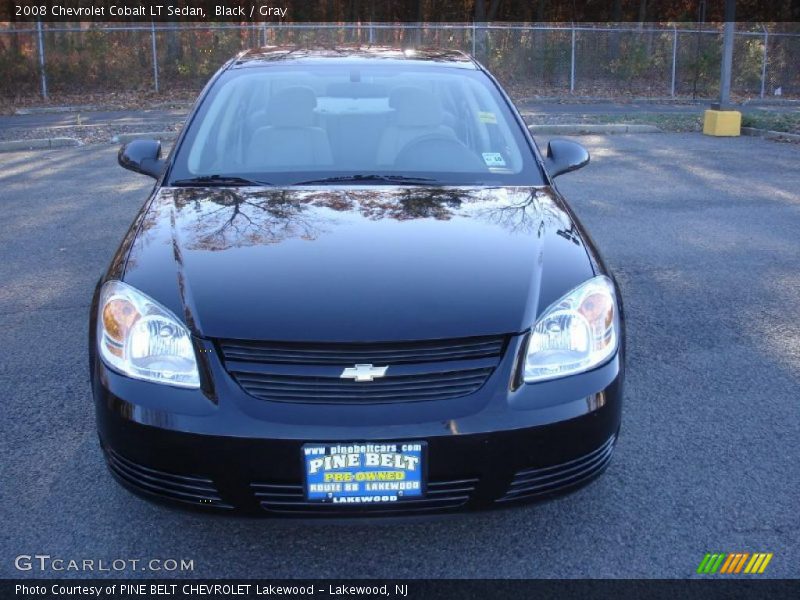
(487, 117)
(494, 159)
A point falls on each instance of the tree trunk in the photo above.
(483, 15)
(613, 42)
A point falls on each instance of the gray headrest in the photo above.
(293, 107)
(415, 107)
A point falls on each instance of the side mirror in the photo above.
(142, 156)
(564, 156)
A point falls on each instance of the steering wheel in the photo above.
(438, 152)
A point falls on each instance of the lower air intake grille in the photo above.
(290, 499)
(197, 491)
(539, 482)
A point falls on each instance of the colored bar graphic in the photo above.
(741, 562)
(703, 563)
(718, 564)
(767, 558)
(732, 558)
(734, 562)
(710, 564)
(757, 564)
(753, 560)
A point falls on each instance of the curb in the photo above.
(36, 110)
(770, 135)
(40, 144)
(589, 100)
(667, 100)
(164, 136)
(174, 105)
(590, 128)
(81, 127)
(758, 102)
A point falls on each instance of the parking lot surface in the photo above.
(704, 236)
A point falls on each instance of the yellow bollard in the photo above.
(722, 122)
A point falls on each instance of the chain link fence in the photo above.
(553, 61)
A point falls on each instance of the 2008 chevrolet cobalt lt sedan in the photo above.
(354, 290)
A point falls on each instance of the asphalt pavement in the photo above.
(702, 234)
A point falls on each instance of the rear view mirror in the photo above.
(142, 156)
(564, 156)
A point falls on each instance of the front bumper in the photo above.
(220, 449)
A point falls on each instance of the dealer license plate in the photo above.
(364, 472)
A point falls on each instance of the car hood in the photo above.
(356, 264)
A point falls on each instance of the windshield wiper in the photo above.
(391, 179)
(217, 180)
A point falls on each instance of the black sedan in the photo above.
(354, 290)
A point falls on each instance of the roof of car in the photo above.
(350, 55)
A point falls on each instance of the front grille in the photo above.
(531, 483)
(311, 373)
(350, 354)
(408, 388)
(197, 491)
(290, 499)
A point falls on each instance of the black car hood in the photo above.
(356, 264)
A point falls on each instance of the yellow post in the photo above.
(722, 122)
(719, 119)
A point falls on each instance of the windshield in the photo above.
(372, 124)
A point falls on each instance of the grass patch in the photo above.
(665, 122)
(675, 122)
(787, 122)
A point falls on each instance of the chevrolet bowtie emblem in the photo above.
(363, 372)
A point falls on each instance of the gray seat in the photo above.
(291, 139)
(418, 114)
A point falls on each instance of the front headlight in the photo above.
(578, 332)
(140, 338)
